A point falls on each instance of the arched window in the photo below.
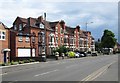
(51, 38)
(41, 37)
(33, 37)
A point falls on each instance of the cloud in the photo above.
(74, 13)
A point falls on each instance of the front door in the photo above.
(5, 56)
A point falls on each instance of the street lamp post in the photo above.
(87, 35)
(44, 56)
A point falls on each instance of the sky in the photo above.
(103, 14)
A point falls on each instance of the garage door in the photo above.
(24, 53)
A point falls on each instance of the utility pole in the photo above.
(45, 39)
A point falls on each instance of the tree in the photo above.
(108, 40)
(61, 49)
(98, 45)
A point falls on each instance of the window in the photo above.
(27, 39)
(15, 28)
(41, 25)
(43, 37)
(56, 29)
(61, 39)
(65, 40)
(2, 35)
(33, 39)
(20, 38)
(39, 38)
(56, 39)
(20, 27)
(80, 42)
(61, 30)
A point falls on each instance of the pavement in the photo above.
(100, 68)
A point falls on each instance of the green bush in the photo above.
(4, 64)
(32, 60)
(61, 49)
(21, 62)
(26, 61)
(14, 63)
(71, 54)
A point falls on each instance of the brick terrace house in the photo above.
(4, 43)
(28, 37)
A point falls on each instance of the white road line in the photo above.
(70, 66)
(97, 73)
(46, 73)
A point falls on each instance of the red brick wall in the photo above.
(4, 43)
(36, 31)
(21, 44)
(12, 44)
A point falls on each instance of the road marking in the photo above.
(70, 66)
(97, 73)
(46, 73)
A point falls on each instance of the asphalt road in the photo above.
(100, 68)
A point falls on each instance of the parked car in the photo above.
(89, 53)
(94, 54)
(82, 54)
(71, 54)
(77, 55)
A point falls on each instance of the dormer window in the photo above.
(15, 27)
(41, 25)
(20, 27)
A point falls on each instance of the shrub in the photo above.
(14, 63)
(61, 49)
(26, 61)
(32, 60)
(4, 64)
(21, 62)
(71, 54)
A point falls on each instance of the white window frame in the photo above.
(20, 27)
(56, 29)
(41, 26)
(20, 39)
(15, 27)
(2, 35)
(27, 39)
(61, 30)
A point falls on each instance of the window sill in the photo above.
(20, 41)
(27, 41)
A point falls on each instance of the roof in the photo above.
(70, 29)
(3, 25)
(23, 20)
(53, 24)
(82, 34)
(34, 21)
